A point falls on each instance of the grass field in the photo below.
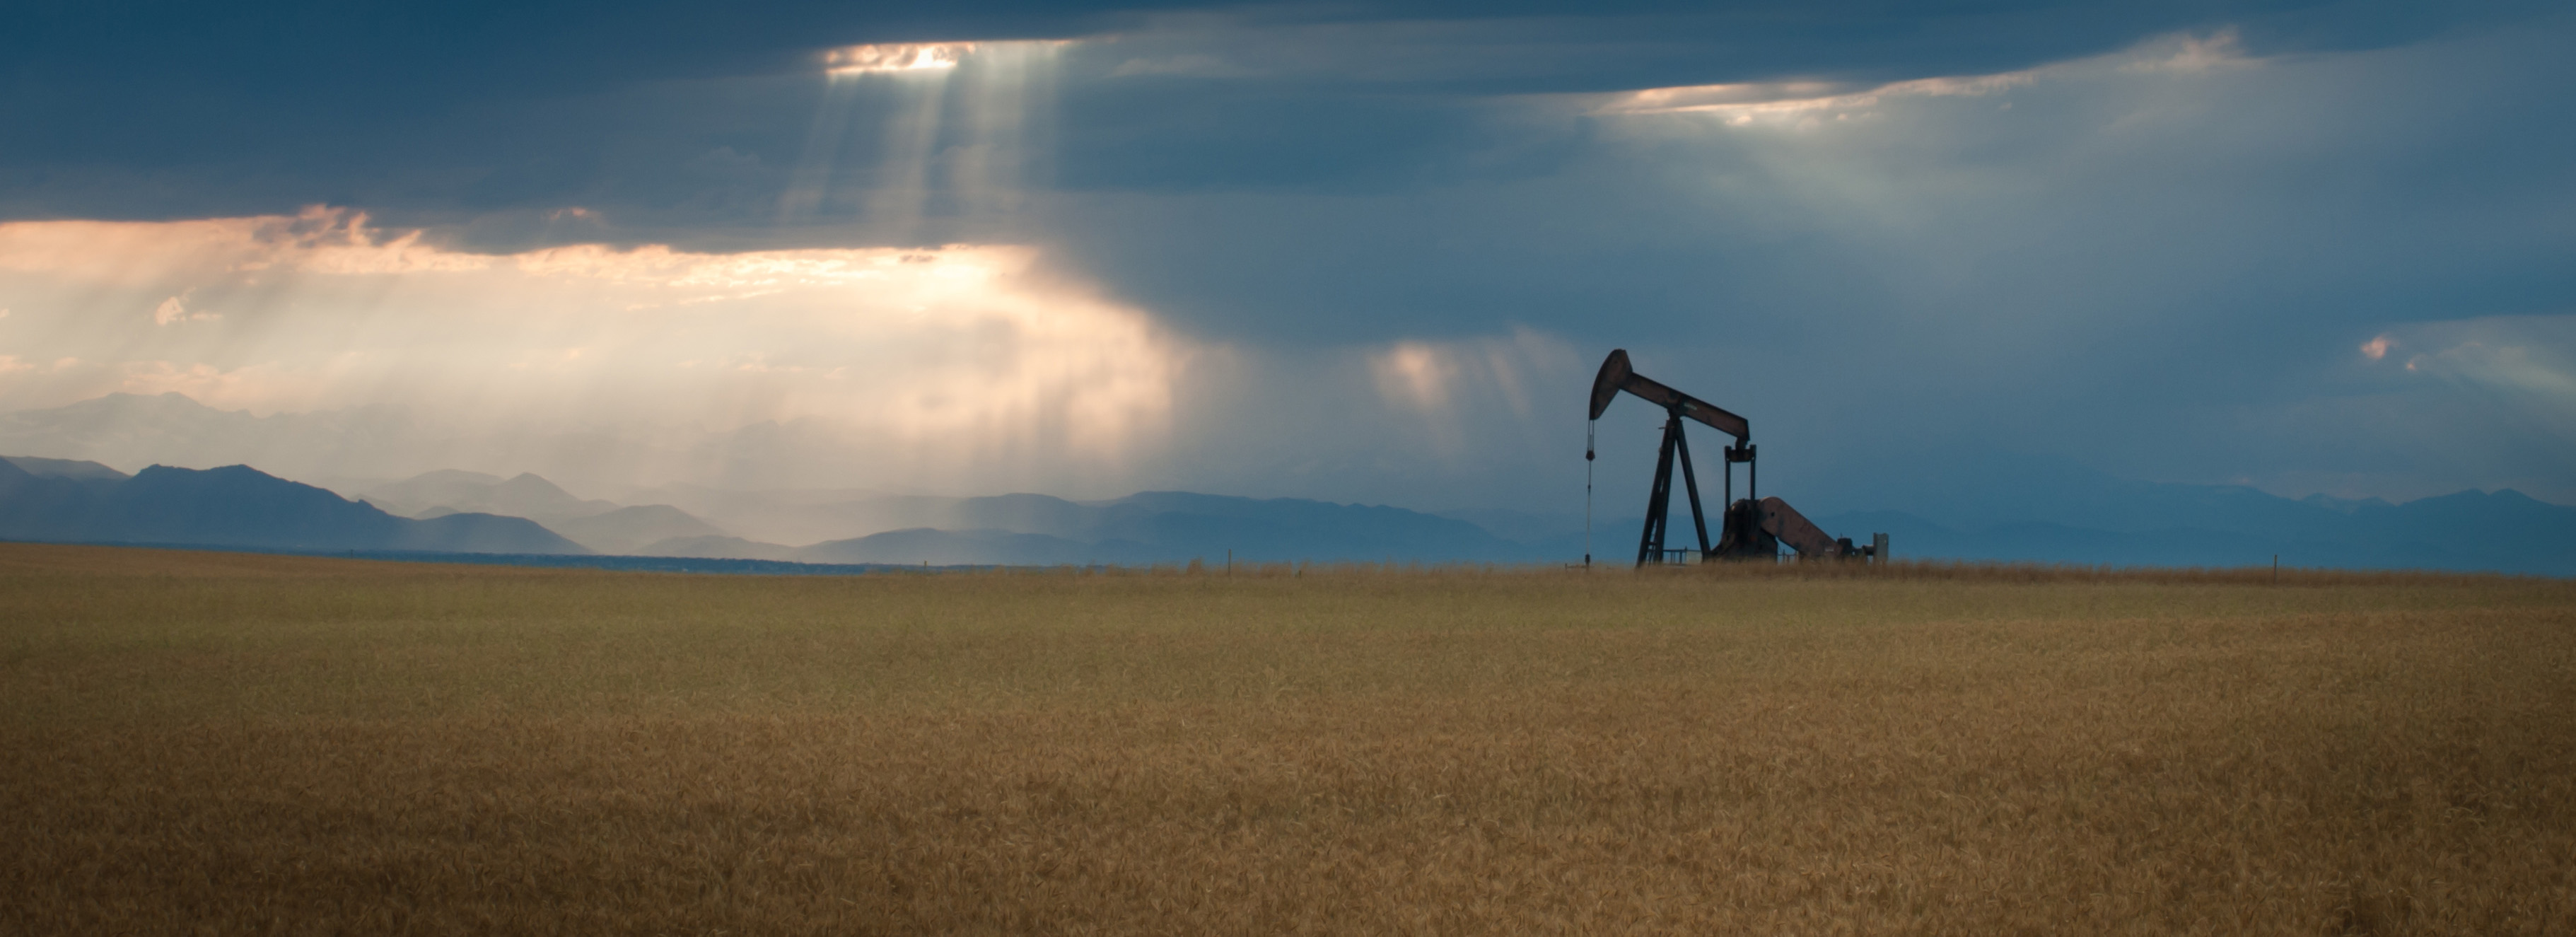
(229, 743)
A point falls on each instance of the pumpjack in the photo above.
(1754, 527)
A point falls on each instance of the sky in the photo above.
(1357, 252)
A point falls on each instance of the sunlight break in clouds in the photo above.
(895, 57)
(1798, 102)
(1748, 102)
(2529, 361)
(944, 358)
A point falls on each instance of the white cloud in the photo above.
(172, 311)
(2522, 355)
(2188, 53)
(2515, 367)
(1746, 103)
(895, 57)
(1805, 102)
(956, 359)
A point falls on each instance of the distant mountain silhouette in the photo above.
(804, 516)
(2156, 524)
(64, 468)
(857, 526)
(603, 526)
(1150, 527)
(970, 547)
(237, 506)
(629, 530)
(2053, 510)
(452, 491)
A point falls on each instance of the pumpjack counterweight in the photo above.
(1752, 528)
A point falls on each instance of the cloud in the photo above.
(172, 312)
(315, 240)
(958, 355)
(2140, 238)
(2515, 367)
(1745, 103)
(1414, 374)
(2185, 52)
(894, 57)
(1438, 378)
(2487, 401)
(1459, 389)
(2532, 358)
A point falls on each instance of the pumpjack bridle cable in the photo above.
(1588, 426)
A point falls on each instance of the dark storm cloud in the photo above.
(178, 109)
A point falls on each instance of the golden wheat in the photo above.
(226, 743)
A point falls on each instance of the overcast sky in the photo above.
(1357, 252)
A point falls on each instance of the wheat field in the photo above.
(232, 743)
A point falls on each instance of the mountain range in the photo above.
(237, 506)
(1171, 526)
(234, 506)
(2166, 525)
(2056, 510)
(1015, 529)
(2503, 531)
(2034, 509)
(602, 526)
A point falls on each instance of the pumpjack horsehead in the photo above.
(1755, 527)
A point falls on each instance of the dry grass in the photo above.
(229, 743)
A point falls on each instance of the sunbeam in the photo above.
(900, 191)
(812, 178)
(937, 156)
